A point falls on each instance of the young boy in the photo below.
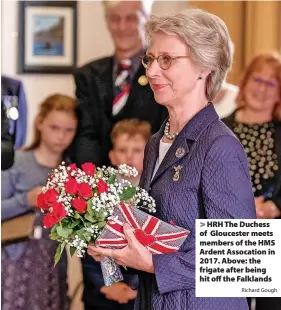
(129, 138)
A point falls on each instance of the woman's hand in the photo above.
(32, 195)
(134, 255)
(120, 292)
(266, 209)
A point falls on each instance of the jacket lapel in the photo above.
(136, 87)
(105, 84)
(153, 151)
(172, 157)
(180, 148)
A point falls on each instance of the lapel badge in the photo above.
(176, 176)
(143, 80)
(180, 152)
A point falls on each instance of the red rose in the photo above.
(41, 202)
(46, 200)
(50, 220)
(51, 196)
(72, 167)
(89, 168)
(80, 205)
(71, 186)
(58, 210)
(84, 190)
(102, 186)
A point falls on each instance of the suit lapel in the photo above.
(104, 82)
(134, 94)
(136, 87)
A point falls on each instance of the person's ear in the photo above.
(38, 122)
(112, 157)
(203, 74)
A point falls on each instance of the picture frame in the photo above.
(47, 37)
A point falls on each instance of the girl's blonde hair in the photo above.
(56, 102)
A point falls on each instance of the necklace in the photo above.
(167, 132)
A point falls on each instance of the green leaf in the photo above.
(90, 218)
(54, 236)
(111, 179)
(90, 207)
(73, 224)
(54, 228)
(77, 215)
(80, 233)
(87, 224)
(59, 251)
(102, 215)
(87, 236)
(128, 193)
(64, 231)
(101, 224)
(72, 250)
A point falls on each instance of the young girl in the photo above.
(29, 279)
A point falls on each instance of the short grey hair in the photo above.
(207, 37)
(146, 6)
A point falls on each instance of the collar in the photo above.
(193, 129)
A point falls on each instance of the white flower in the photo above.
(127, 171)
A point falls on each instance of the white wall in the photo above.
(93, 42)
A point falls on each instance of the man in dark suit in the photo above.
(111, 89)
(13, 98)
(7, 146)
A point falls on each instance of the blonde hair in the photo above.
(56, 102)
(207, 37)
(146, 6)
(131, 127)
(272, 60)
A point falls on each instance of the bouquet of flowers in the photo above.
(78, 203)
(91, 205)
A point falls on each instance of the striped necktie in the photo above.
(122, 84)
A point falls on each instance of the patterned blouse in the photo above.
(258, 142)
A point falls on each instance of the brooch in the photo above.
(176, 176)
(180, 152)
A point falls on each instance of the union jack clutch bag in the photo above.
(157, 236)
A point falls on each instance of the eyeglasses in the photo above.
(164, 61)
(268, 84)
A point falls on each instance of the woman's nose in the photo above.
(153, 70)
(262, 86)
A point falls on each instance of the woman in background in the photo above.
(257, 124)
(29, 279)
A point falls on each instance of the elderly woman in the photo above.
(194, 166)
(257, 124)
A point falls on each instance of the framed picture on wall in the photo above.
(47, 36)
